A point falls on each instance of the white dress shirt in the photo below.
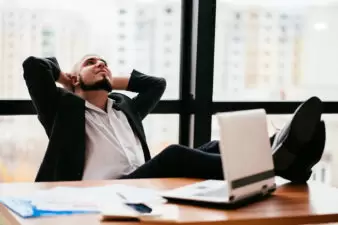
(112, 148)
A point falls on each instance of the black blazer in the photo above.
(62, 115)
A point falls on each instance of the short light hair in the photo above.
(76, 67)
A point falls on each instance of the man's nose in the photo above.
(100, 64)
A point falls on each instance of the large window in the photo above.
(263, 52)
(276, 50)
(133, 34)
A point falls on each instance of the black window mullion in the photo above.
(204, 70)
(185, 72)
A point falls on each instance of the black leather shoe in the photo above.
(292, 138)
(301, 169)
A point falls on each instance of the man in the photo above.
(98, 134)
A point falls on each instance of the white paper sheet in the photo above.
(92, 198)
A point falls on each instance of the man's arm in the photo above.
(150, 90)
(40, 75)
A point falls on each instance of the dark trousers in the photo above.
(180, 161)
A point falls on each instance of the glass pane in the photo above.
(23, 143)
(133, 34)
(276, 50)
(322, 171)
(22, 147)
(161, 131)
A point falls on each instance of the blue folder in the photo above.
(26, 209)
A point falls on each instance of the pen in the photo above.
(121, 196)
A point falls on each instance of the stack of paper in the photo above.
(73, 200)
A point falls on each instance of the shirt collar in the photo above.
(90, 106)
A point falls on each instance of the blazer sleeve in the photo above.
(150, 90)
(40, 75)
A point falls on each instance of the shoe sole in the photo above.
(306, 119)
(301, 169)
(318, 144)
(300, 131)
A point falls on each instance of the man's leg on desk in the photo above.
(297, 146)
(180, 161)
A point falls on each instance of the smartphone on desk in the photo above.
(140, 208)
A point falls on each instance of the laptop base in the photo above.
(225, 205)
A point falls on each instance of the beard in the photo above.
(103, 84)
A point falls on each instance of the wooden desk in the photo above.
(291, 204)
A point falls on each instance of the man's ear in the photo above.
(75, 80)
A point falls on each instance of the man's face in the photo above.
(94, 74)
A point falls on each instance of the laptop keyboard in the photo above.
(208, 188)
(219, 192)
(211, 188)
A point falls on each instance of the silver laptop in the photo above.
(246, 159)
